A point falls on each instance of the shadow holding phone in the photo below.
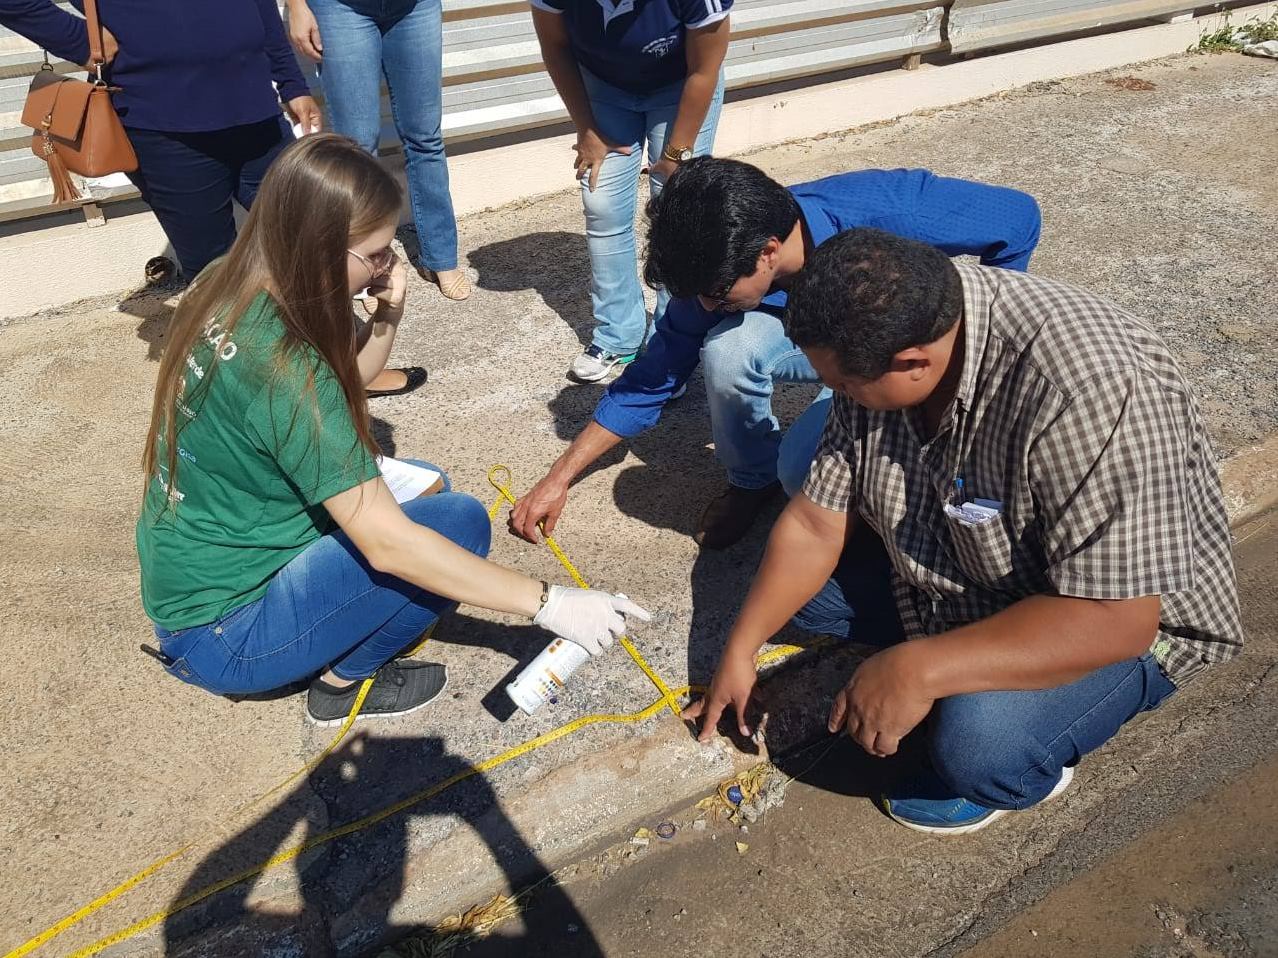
(341, 895)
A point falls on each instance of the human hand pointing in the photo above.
(733, 686)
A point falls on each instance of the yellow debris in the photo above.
(479, 920)
(749, 781)
(742, 848)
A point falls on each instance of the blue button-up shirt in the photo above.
(997, 224)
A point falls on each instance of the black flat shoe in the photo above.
(415, 376)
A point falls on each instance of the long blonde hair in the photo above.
(320, 195)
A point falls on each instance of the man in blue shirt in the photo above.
(726, 241)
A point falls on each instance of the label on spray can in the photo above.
(545, 675)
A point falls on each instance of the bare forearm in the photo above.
(561, 65)
(437, 564)
(1040, 642)
(375, 342)
(706, 48)
(694, 104)
(797, 563)
(592, 443)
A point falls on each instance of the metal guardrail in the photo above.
(982, 24)
(494, 82)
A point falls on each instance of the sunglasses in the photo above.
(379, 263)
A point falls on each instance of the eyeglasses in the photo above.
(379, 263)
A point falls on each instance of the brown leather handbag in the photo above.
(77, 129)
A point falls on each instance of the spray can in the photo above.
(545, 675)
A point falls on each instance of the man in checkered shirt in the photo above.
(1027, 466)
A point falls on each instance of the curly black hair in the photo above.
(866, 295)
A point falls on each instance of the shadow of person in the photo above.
(154, 306)
(554, 264)
(798, 700)
(349, 886)
(678, 468)
(384, 433)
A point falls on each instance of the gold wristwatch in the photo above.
(676, 154)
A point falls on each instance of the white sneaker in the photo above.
(595, 365)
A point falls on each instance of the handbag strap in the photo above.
(96, 56)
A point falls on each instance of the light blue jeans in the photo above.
(402, 40)
(742, 358)
(638, 121)
(799, 443)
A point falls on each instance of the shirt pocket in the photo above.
(983, 551)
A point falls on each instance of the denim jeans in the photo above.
(634, 120)
(327, 607)
(402, 40)
(998, 749)
(798, 445)
(190, 179)
(743, 356)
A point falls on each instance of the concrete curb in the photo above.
(1249, 479)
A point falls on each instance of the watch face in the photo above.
(685, 156)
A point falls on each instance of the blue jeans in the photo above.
(798, 445)
(743, 356)
(998, 749)
(402, 40)
(190, 179)
(634, 120)
(327, 608)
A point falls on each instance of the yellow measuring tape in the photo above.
(130, 883)
(500, 477)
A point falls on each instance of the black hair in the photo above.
(709, 224)
(866, 295)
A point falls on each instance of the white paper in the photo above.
(405, 480)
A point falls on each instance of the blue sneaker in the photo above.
(953, 816)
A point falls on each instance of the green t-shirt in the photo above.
(258, 453)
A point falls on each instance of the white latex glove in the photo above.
(587, 617)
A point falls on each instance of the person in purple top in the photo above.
(200, 84)
(725, 241)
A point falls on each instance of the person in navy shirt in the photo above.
(632, 74)
(200, 84)
(726, 241)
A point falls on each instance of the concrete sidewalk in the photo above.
(1162, 197)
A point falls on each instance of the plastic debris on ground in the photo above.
(456, 930)
(745, 798)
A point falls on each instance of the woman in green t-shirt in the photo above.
(271, 549)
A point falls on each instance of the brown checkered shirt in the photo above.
(1074, 415)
